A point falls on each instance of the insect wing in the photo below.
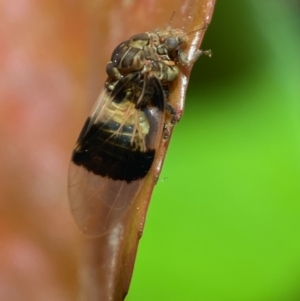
(114, 153)
(97, 203)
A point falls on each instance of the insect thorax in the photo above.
(155, 54)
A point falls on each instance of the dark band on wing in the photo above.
(111, 156)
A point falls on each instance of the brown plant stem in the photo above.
(107, 262)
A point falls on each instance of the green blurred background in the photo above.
(224, 219)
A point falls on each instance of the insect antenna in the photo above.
(171, 20)
(196, 29)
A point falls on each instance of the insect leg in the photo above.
(175, 115)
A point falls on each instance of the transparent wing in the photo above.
(98, 203)
(114, 153)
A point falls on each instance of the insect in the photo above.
(119, 141)
(158, 51)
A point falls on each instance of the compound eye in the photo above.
(171, 43)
